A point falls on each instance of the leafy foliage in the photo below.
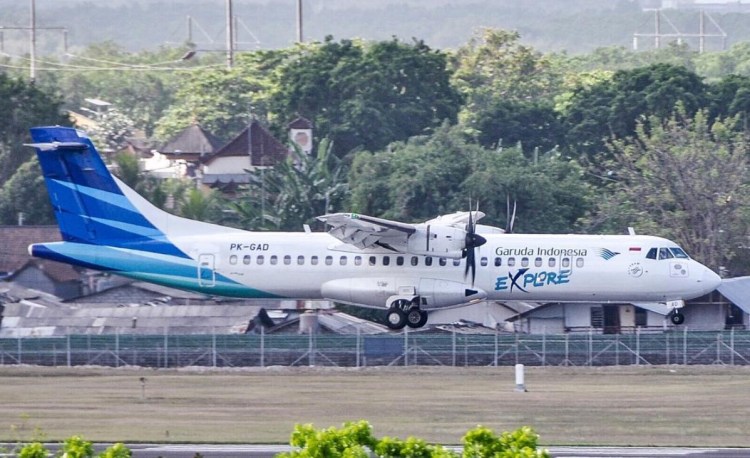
(355, 439)
(293, 192)
(366, 95)
(482, 442)
(33, 450)
(25, 192)
(686, 179)
(76, 447)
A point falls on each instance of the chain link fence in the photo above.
(403, 349)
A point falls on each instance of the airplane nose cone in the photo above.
(709, 280)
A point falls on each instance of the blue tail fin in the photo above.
(89, 204)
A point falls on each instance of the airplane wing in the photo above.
(364, 231)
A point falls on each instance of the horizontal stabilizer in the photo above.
(54, 146)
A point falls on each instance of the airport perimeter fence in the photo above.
(403, 349)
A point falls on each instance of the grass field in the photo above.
(664, 405)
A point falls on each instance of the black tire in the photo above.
(416, 318)
(677, 318)
(395, 318)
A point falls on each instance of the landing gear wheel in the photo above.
(677, 318)
(416, 318)
(395, 318)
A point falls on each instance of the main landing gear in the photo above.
(405, 313)
(676, 317)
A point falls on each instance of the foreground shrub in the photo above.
(74, 447)
(355, 440)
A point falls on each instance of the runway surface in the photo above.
(271, 450)
(268, 451)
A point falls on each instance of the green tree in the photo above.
(141, 85)
(686, 179)
(25, 192)
(351, 441)
(293, 192)
(224, 101)
(612, 108)
(22, 105)
(366, 95)
(199, 205)
(442, 173)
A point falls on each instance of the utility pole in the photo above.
(230, 36)
(300, 38)
(32, 53)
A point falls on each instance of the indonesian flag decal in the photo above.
(635, 248)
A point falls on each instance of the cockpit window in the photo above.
(664, 253)
(679, 253)
(667, 253)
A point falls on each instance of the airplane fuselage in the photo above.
(301, 265)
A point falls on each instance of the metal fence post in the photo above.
(117, 347)
(19, 351)
(359, 335)
(494, 361)
(262, 346)
(68, 347)
(454, 347)
(731, 346)
(544, 347)
(166, 348)
(406, 346)
(684, 346)
(666, 346)
(638, 347)
(213, 348)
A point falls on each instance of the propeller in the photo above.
(473, 240)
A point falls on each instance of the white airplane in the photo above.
(405, 269)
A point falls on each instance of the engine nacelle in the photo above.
(437, 240)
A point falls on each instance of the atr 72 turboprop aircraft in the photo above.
(406, 269)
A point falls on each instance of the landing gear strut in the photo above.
(405, 313)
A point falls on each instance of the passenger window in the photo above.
(456, 262)
(233, 259)
(358, 260)
(260, 260)
(483, 261)
(651, 254)
(314, 260)
(442, 261)
(399, 260)
(372, 261)
(274, 260)
(579, 262)
(246, 259)
(428, 261)
(552, 262)
(538, 262)
(511, 262)
(386, 260)
(300, 260)
(329, 260)
(287, 260)
(414, 261)
(342, 260)
(498, 262)
(524, 262)
(565, 262)
(664, 253)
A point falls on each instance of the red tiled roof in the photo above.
(14, 253)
